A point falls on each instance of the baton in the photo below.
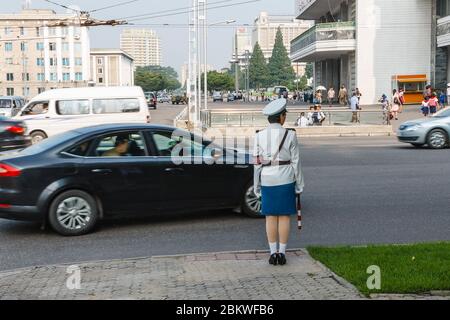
(299, 212)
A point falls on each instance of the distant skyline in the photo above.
(174, 39)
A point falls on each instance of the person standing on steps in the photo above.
(278, 178)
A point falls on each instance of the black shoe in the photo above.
(281, 259)
(273, 259)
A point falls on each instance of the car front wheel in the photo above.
(437, 139)
(73, 213)
(37, 136)
(251, 204)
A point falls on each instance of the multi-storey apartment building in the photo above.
(143, 45)
(265, 29)
(111, 67)
(35, 56)
(373, 45)
(242, 46)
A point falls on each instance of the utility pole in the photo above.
(236, 65)
(197, 61)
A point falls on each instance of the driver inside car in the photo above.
(120, 149)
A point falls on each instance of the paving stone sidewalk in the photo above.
(221, 276)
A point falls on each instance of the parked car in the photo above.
(152, 100)
(217, 96)
(231, 97)
(433, 131)
(164, 99)
(13, 135)
(74, 180)
(62, 110)
(10, 106)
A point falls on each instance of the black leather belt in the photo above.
(277, 164)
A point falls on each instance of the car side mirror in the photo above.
(216, 153)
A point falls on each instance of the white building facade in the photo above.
(365, 43)
(242, 46)
(35, 56)
(111, 67)
(143, 45)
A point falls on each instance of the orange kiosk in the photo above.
(413, 85)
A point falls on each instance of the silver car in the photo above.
(433, 131)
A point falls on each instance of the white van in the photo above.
(56, 111)
(11, 106)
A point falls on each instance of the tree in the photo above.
(259, 72)
(156, 78)
(219, 81)
(280, 66)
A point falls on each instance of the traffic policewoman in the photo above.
(278, 178)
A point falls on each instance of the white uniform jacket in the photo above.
(267, 143)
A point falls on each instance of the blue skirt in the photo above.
(279, 200)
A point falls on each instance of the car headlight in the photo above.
(413, 127)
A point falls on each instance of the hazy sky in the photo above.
(174, 39)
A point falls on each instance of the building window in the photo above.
(8, 31)
(25, 62)
(100, 62)
(78, 61)
(79, 76)
(66, 62)
(53, 61)
(26, 91)
(64, 31)
(52, 46)
(22, 31)
(25, 77)
(52, 31)
(77, 47)
(53, 77)
(8, 46)
(65, 46)
(40, 46)
(8, 61)
(66, 77)
(10, 91)
(41, 77)
(40, 62)
(10, 77)
(100, 70)
(23, 46)
(40, 90)
(100, 80)
(38, 32)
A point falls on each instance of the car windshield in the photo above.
(49, 143)
(443, 113)
(5, 104)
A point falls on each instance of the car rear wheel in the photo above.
(38, 136)
(437, 139)
(73, 213)
(251, 204)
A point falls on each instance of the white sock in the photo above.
(283, 248)
(273, 247)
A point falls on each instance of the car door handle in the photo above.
(174, 170)
(102, 171)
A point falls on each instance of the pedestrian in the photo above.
(425, 108)
(442, 98)
(402, 100)
(322, 116)
(278, 178)
(395, 103)
(318, 97)
(433, 103)
(358, 95)
(428, 91)
(302, 121)
(343, 96)
(448, 94)
(354, 106)
(331, 96)
(310, 116)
